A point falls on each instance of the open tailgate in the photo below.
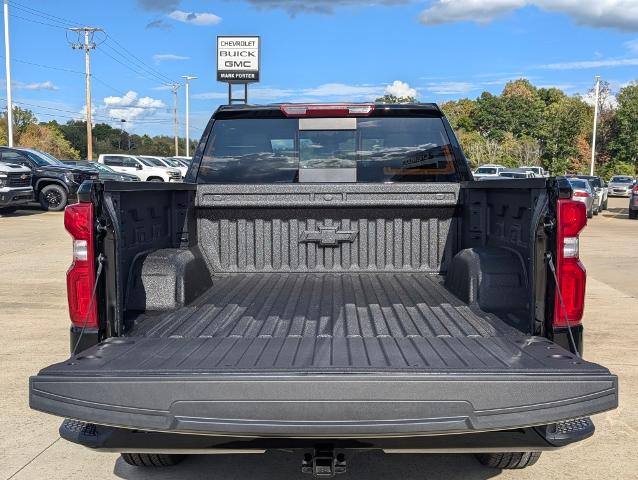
(313, 386)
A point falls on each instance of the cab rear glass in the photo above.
(370, 150)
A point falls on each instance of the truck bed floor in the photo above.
(312, 322)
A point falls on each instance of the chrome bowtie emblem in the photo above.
(23, 176)
(328, 236)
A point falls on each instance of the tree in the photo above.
(459, 113)
(387, 98)
(625, 144)
(49, 139)
(491, 116)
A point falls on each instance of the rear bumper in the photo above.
(110, 439)
(334, 406)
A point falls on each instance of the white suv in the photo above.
(165, 163)
(488, 170)
(143, 169)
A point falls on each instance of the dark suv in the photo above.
(55, 184)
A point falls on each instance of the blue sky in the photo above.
(312, 50)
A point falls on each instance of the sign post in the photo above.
(238, 63)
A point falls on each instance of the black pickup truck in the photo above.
(328, 278)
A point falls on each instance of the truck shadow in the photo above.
(24, 212)
(278, 464)
(617, 212)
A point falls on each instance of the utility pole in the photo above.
(87, 46)
(188, 79)
(174, 87)
(593, 141)
(7, 62)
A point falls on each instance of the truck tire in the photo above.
(633, 214)
(152, 459)
(605, 203)
(53, 198)
(508, 460)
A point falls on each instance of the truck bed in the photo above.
(316, 321)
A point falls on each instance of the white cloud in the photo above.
(127, 100)
(616, 14)
(400, 89)
(450, 88)
(201, 19)
(164, 57)
(588, 64)
(48, 85)
(632, 45)
(130, 107)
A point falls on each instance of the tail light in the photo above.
(581, 194)
(571, 274)
(327, 110)
(80, 278)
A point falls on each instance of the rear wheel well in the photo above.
(151, 179)
(45, 182)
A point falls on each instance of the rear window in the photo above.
(486, 170)
(513, 175)
(368, 150)
(579, 184)
(622, 180)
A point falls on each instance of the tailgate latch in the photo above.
(323, 463)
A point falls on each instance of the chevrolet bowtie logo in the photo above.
(328, 236)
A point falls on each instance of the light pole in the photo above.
(188, 78)
(123, 121)
(7, 62)
(593, 140)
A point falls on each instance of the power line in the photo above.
(41, 13)
(129, 67)
(139, 60)
(37, 21)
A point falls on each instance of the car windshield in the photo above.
(365, 150)
(42, 159)
(486, 170)
(101, 167)
(173, 163)
(579, 184)
(145, 162)
(156, 162)
(594, 181)
(622, 180)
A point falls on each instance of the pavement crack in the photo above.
(34, 458)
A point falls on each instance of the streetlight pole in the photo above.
(7, 61)
(593, 141)
(188, 78)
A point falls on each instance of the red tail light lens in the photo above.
(327, 110)
(571, 219)
(581, 194)
(80, 278)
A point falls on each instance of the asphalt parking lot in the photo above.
(35, 253)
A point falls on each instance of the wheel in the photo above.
(633, 214)
(155, 179)
(590, 212)
(605, 204)
(6, 210)
(596, 210)
(509, 460)
(152, 459)
(53, 198)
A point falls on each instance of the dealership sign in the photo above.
(238, 59)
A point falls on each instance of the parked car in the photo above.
(145, 170)
(583, 192)
(104, 172)
(538, 171)
(516, 173)
(633, 203)
(164, 162)
(621, 185)
(15, 187)
(487, 171)
(601, 188)
(55, 184)
(383, 301)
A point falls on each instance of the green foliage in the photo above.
(625, 144)
(48, 138)
(563, 124)
(394, 99)
(617, 167)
